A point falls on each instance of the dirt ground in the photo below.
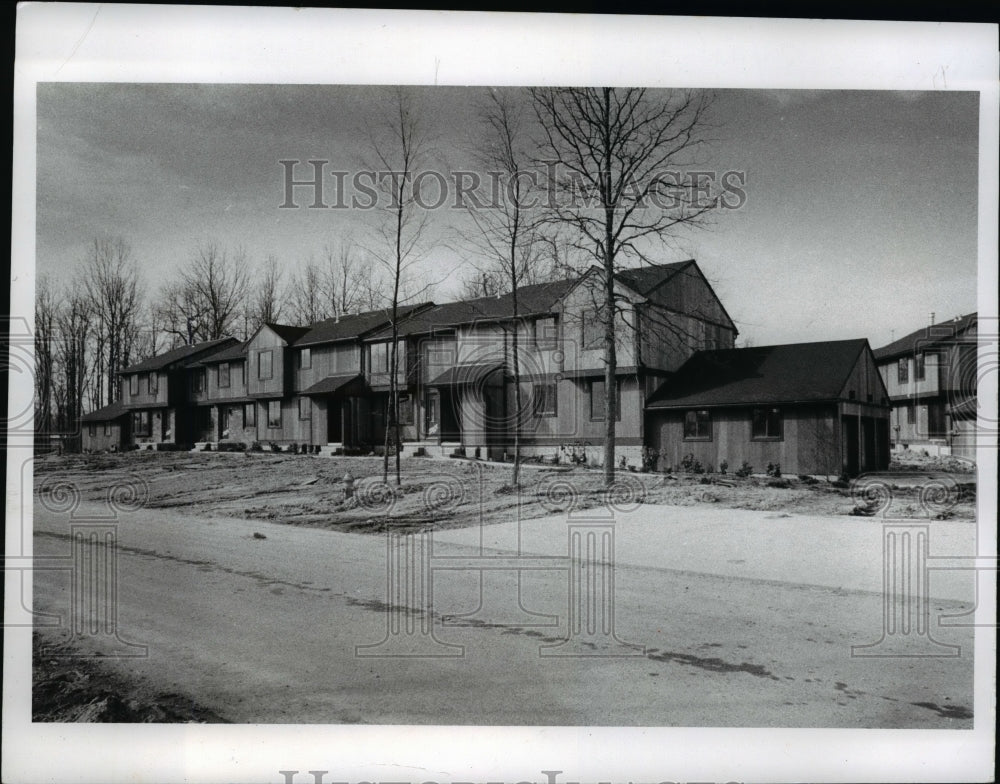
(309, 491)
(70, 688)
(440, 494)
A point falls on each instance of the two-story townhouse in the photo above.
(333, 393)
(931, 378)
(155, 393)
(217, 392)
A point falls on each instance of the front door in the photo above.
(335, 421)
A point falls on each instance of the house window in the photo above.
(224, 420)
(903, 371)
(936, 420)
(405, 410)
(378, 358)
(593, 329)
(305, 408)
(243, 372)
(152, 383)
(140, 423)
(93, 430)
(250, 415)
(264, 365)
(107, 428)
(432, 417)
(766, 424)
(911, 414)
(598, 401)
(133, 384)
(918, 367)
(698, 425)
(305, 359)
(546, 333)
(274, 413)
(224, 375)
(546, 400)
(198, 381)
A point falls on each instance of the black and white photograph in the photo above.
(418, 419)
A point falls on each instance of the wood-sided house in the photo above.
(155, 392)
(105, 430)
(931, 375)
(812, 408)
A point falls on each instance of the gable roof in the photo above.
(107, 414)
(791, 373)
(287, 332)
(177, 355)
(352, 326)
(926, 337)
(643, 280)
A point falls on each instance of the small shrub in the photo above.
(691, 465)
(744, 470)
(723, 467)
(781, 484)
(774, 469)
(650, 457)
(274, 447)
(809, 480)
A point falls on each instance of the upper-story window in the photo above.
(223, 375)
(919, 369)
(546, 333)
(592, 334)
(133, 384)
(903, 371)
(378, 358)
(766, 424)
(198, 380)
(152, 383)
(305, 359)
(264, 369)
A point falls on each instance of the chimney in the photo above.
(932, 318)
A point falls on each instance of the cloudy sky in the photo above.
(860, 215)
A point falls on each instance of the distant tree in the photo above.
(205, 302)
(47, 316)
(611, 156)
(306, 303)
(266, 300)
(74, 324)
(111, 283)
(344, 278)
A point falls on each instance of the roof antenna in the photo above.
(932, 317)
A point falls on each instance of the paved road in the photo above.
(743, 618)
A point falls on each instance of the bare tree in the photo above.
(47, 307)
(611, 156)
(400, 146)
(74, 324)
(306, 302)
(206, 301)
(266, 302)
(506, 235)
(344, 278)
(113, 288)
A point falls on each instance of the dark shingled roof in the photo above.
(106, 414)
(644, 279)
(332, 384)
(232, 353)
(941, 332)
(176, 355)
(533, 300)
(356, 325)
(466, 374)
(793, 373)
